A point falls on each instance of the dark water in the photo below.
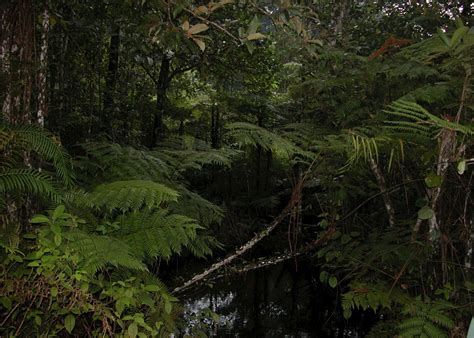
(277, 301)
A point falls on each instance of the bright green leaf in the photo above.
(39, 219)
(58, 212)
(152, 288)
(333, 281)
(433, 180)
(425, 213)
(461, 167)
(69, 323)
(132, 330)
(168, 307)
(54, 292)
(253, 25)
(58, 239)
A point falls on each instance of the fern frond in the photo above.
(124, 163)
(136, 194)
(100, 251)
(156, 234)
(201, 246)
(32, 138)
(426, 319)
(419, 121)
(434, 332)
(28, 181)
(440, 319)
(196, 207)
(246, 134)
(194, 159)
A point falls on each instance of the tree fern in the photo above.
(186, 152)
(358, 144)
(99, 251)
(246, 134)
(123, 163)
(195, 206)
(131, 195)
(194, 159)
(157, 234)
(29, 138)
(411, 118)
(28, 181)
(426, 319)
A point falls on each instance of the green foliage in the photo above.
(20, 139)
(426, 319)
(194, 206)
(63, 269)
(117, 162)
(131, 195)
(189, 153)
(158, 234)
(366, 296)
(411, 118)
(17, 181)
(315, 78)
(246, 134)
(27, 156)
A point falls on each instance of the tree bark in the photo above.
(341, 12)
(161, 86)
(43, 70)
(111, 80)
(16, 57)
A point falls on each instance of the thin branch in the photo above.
(182, 70)
(383, 188)
(147, 71)
(268, 261)
(463, 96)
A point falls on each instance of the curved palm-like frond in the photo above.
(358, 144)
(412, 119)
(99, 251)
(134, 194)
(246, 134)
(195, 206)
(157, 234)
(124, 163)
(189, 153)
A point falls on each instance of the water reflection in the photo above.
(273, 302)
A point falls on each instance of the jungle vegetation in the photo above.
(135, 133)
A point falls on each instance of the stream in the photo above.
(277, 301)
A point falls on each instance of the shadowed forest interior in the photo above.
(236, 168)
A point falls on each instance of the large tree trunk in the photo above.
(161, 86)
(17, 58)
(43, 70)
(110, 82)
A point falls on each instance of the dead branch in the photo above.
(295, 198)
